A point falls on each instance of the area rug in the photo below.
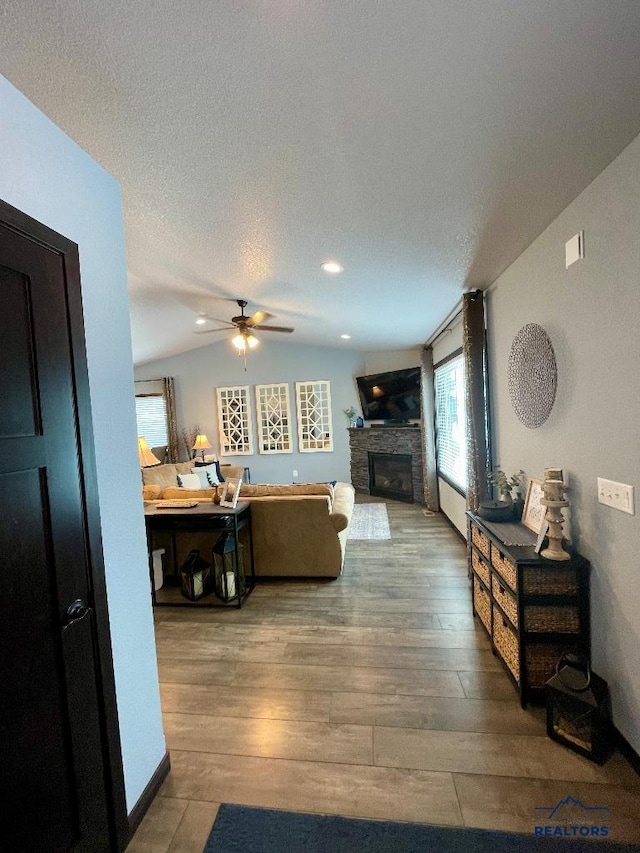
(369, 521)
(241, 829)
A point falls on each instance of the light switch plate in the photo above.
(574, 249)
(617, 495)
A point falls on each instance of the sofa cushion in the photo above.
(160, 475)
(165, 475)
(267, 490)
(151, 493)
(173, 492)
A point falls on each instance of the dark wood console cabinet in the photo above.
(533, 609)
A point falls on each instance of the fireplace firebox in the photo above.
(390, 476)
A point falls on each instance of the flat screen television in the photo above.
(392, 396)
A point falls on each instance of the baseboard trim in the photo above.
(148, 795)
(627, 750)
(461, 536)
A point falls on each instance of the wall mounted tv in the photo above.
(392, 396)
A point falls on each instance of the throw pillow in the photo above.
(207, 474)
(215, 464)
(189, 481)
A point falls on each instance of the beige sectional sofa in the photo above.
(299, 530)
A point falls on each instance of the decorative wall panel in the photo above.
(234, 421)
(315, 429)
(273, 418)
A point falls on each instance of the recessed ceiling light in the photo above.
(346, 337)
(201, 321)
(332, 267)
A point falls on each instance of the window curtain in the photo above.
(172, 426)
(475, 360)
(429, 472)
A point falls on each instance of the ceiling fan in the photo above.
(244, 339)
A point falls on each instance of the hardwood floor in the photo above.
(374, 695)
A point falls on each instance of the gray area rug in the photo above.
(369, 521)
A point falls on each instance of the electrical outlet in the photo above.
(616, 495)
(295, 474)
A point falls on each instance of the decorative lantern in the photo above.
(195, 576)
(224, 553)
(579, 709)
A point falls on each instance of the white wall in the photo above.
(591, 312)
(381, 362)
(199, 372)
(47, 176)
(452, 503)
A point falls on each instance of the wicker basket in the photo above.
(549, 581)
(565, 620)
(505, 600)
(481, 568)
(541, 663)
(505, 567)
(506, 643)
(482, 604)
(480, 541)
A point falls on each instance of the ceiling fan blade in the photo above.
(218, 320)
(257, 318)
(273, 328)
(208, 331)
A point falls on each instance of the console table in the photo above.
(205, 517)
(533, 609)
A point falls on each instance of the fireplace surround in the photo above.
(384, 442)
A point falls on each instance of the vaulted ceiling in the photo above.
(421, 143)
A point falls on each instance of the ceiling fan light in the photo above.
(332, 267)
(239, 342)
(252, 341)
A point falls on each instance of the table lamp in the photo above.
(201, 444)
(147, 459)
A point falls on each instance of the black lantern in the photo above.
(225, 552)
(195, 576)
(579, 709)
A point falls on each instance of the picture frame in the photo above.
(533, 514)
(231, 492)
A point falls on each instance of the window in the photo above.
(451, 438)
(151, 415)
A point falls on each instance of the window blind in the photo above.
(451, 439)
(151, 416)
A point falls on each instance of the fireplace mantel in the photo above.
(393, 440)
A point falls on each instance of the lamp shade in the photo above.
(147, 459)
(202, 443)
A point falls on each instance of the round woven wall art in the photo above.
(532, 375)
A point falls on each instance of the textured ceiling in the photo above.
(423, 144)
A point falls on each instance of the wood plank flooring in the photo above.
(375, 695)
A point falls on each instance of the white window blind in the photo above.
(151, 415)
(451, 438)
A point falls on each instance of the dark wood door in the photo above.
(55, 778)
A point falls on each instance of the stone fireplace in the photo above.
(387, 461)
